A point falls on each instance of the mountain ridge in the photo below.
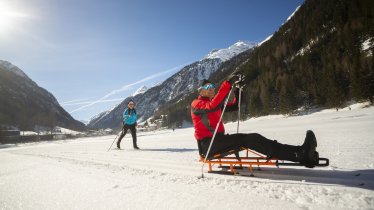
(25, 105)
(175, 87)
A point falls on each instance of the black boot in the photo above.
(118, 144)
(308, 154)
(305, 154)
(135, 145)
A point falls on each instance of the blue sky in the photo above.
(85, 51)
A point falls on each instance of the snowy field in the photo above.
(81, 174)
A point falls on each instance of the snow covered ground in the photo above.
(81, 174)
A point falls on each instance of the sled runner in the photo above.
(227, 161)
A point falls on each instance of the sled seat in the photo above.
(226, 160)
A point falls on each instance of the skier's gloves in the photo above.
(233, 78)
(236, 80)
(241, 82)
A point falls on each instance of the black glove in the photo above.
(241, 82)
(233, 78)
(236, 80)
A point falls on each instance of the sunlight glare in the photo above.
(8, 17)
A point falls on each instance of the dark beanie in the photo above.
(204, 82)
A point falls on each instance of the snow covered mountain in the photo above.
(24, 104)
(227, 54)
(315, 59)
(174, 88)
(141, 90)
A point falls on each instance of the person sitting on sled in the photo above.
(206, 111)
(129, 122)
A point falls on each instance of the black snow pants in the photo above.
(133, 134)
(253, 141)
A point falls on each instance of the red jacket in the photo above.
(205, 113)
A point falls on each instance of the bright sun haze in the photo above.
(9, 16)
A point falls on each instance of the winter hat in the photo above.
(204, 82)
(130, 101)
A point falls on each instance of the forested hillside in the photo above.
(26, 106)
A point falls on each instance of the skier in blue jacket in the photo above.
(129, 122)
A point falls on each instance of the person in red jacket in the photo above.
(206, 111)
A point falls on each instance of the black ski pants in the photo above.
(133, 134)
(253, 141)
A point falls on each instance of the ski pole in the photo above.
(214, 134)
(113, 142)
(240, 97)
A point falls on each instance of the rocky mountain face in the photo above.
(24, 105)
(172, 89)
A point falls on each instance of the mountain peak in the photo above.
(228, 53)
(141, 90)
(10, 67)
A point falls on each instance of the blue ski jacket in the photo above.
(129, 116)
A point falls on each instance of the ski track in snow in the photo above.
(80, 174)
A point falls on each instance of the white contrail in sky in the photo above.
(84, 102)
(127, 87)
(77, 100)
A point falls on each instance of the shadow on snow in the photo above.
(363, 178)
